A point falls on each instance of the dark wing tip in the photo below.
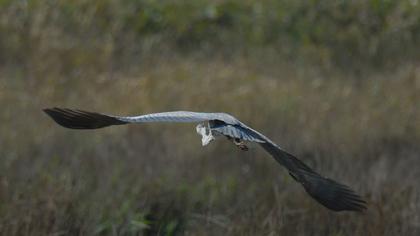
(77, 119)
(329, 193)
(333, 195)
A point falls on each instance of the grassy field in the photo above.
(354, 117)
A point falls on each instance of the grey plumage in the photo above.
(327, 192)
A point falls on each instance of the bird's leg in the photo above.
(239, 143)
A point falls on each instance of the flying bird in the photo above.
(331, 194)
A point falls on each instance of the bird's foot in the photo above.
(239, 143)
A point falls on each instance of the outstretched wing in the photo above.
(78, 119)
(328, 192)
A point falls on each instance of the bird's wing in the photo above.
(78, 119)
(237, 131)
(328, 192)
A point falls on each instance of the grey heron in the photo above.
(331, 194)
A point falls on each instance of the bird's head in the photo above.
(205, 132)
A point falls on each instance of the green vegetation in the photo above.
(337, 84)
(348, 34)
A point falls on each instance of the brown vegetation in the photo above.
(360, 127)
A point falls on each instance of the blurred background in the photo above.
(335, 82)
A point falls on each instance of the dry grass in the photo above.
(157, 178)
(336, 84)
